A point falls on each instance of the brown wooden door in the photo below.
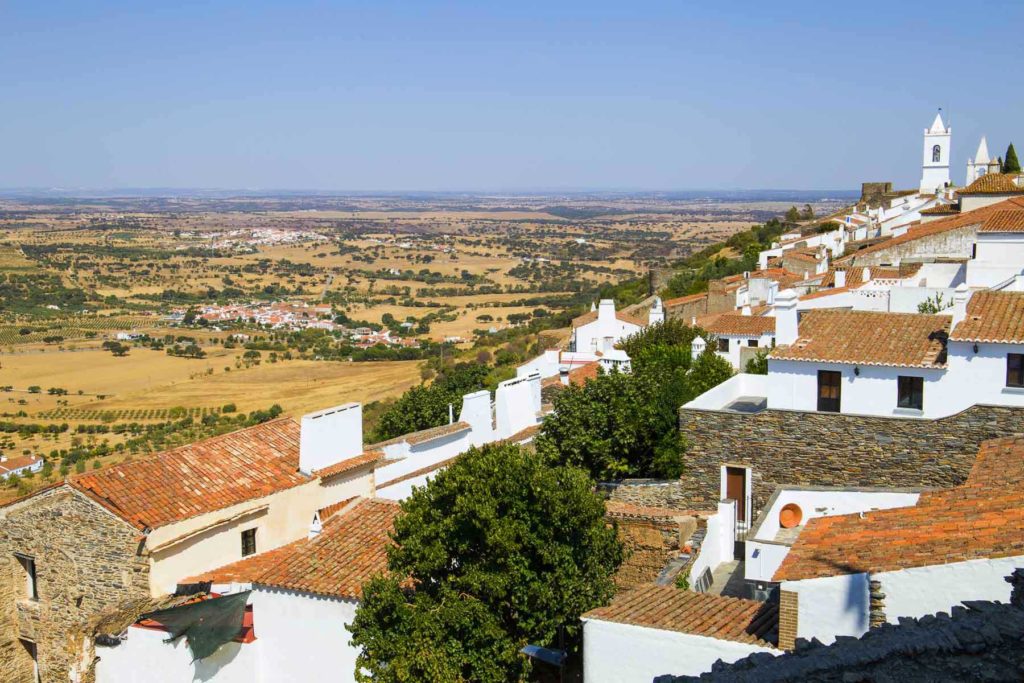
(736, 489)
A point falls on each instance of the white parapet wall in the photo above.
(739, 385)
(831, 606)
(718, 542)
(623, 653)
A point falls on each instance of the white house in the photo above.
(656, 630)
(302, 597)
(19, 465)
(845, 573)
(602, 328)
(739, 337)
(998, 253)
(989, 189)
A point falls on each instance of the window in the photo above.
(1015, 369)
(248, 542)
(28, 571)
(910, 392)
(752, 343)
(829, 390)
(30, 650)
(723, 345)
(936, 153)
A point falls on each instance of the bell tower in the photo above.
(935, 166)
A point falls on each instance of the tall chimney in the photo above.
(786, 317)
(330, 436)
(697, 346)
(961, 295)
(840, 278)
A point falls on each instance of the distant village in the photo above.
(851, 503)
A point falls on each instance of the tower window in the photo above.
(936, 153)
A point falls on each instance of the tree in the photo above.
(626, 425)
(116, 348)
(758, 365)
(792, 215)
(497, 551)
(1011, 165)
(807, 213)
(426, 406)
(934, 304)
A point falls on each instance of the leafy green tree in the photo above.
(497, 551)
(758, 365)
(1011, 164)
(627, 425)
(792, 214)
(426, 406)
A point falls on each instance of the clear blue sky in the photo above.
(514, 95)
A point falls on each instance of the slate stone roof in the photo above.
(982, 641)
(993, 183)
(992, 317)
(984, 518)
(351, 548)
(732, 323)
(702, 614)
(198, 478)
(1004, 221)
(869, 338)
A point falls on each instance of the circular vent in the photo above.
(790, 516)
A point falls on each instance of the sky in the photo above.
(498, 96)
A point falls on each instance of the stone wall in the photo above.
(652, 539)
(687, 311)
(822, 449)
(87, 562)
(955, 243)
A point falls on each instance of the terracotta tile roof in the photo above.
(702, 614)
(993, 183)
(591, 316)
(423, 436)
(821, 293)
(362, 460)
(580, 375)
(992, 317)
(10, 464)
(350, 549)
(418, 473)
(984, 518)
(1004, 221)
(329, 511)
(809, 255)
(523, 434)
(202, 477)
(742, 324)
(869, 338)
(937, 227)
(680, 301)
(941, 209)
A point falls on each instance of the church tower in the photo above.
(978, 166)
(935, 169)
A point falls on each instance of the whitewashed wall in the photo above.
(718, 541)
(793, 385)
(145, 658)
(927, 590)
(999, 257)
(831, 606)
(424, 455)
(740, 384)
(740, 341)
(830, 502)
(622, 653)
(299, 637)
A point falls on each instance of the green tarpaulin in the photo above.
(206, 624)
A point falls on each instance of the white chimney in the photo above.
(865, 274)
(786, 317)
(315, 527)
(606, 310)
(746, 309)
(697, 346)
(840, 278)
(961, 295)
(330, 436)
(477, 413)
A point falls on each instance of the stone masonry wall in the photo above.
(87, 562)
(823, 449)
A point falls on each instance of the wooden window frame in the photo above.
(249, 542)
(910, 392)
